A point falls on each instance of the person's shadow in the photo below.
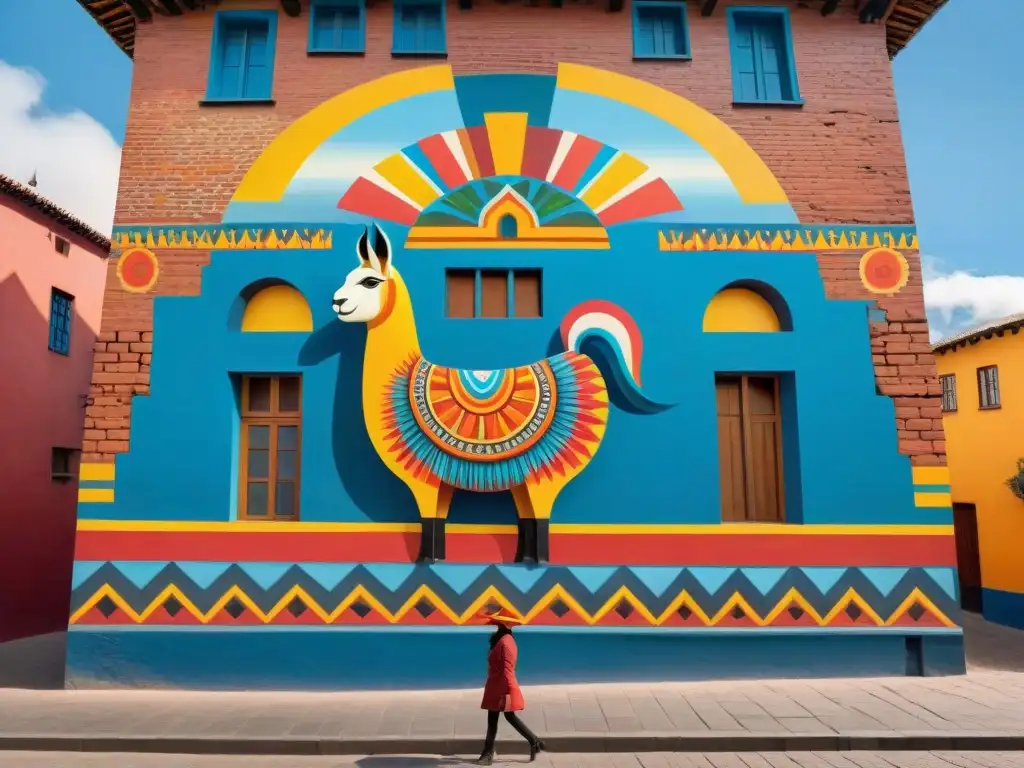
(396, 761)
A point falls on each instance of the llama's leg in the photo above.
(526, 526)
(432, 503)
(534, 503)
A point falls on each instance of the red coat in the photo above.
(501, 691)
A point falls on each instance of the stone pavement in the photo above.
(618, 760)
(982, 710)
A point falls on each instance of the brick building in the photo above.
(52, 272)
(710, 198)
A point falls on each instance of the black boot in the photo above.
(432, 540)
(542, 539)
(526, 549)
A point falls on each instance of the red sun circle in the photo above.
(138, 268)
(884, 270)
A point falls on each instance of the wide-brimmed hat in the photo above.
(500, 619)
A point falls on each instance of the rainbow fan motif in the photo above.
(543, 178)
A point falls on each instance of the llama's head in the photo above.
(365, 293)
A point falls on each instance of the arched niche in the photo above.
(747, 306)
(272, 306)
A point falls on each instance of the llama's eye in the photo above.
(370, 282)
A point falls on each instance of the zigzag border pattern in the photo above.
(553, 596)
(214, 237)
(808, 238)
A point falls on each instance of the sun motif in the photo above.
(884, 270)
(137, 269)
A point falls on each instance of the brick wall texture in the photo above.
(839, 157)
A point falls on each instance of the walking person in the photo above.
(501, 691)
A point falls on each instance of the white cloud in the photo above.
(76, 159)
(960, 299)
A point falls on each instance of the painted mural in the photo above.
(428, 456)
(529, 429)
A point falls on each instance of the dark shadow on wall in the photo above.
(42, 406)
(371, 485)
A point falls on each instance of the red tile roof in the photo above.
(28, 196)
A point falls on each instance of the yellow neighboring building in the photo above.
(982, 376)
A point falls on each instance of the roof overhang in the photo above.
(902, 18)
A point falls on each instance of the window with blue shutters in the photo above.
(660, 30)
(761, 52)
(242, 59)
(61, 313)
(419, 28)
(337, 26)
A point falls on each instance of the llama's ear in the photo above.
(362, 244)
(382, 246)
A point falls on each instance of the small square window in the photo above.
(63, 464)
(493, 293)
(337, 26)
(419, 28)
(61, 246)
(761, 56)
(61, 314)
(988, 387)
(242, 56)
(660, 30)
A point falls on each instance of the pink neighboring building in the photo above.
(52, 275)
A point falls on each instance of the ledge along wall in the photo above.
(722, 274)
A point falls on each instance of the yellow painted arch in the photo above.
(277, 308)
(753, 180)
(740, 310)
(268, 177)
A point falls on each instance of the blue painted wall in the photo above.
(840, 452)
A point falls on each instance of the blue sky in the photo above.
(960, 98)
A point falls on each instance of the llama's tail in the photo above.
(619, 347)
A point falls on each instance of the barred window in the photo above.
(988, 387)
(948, 382)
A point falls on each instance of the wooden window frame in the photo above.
(272, 419)
(996, 401)
(510, 287)
(746, 421)
(949, 403)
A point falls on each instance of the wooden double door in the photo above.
(750, 448)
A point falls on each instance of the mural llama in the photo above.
(529, 429)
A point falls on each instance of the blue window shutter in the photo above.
(745, 56)
(771, 47)
(242, 55)
(60, 322)
(420, 28)
(659, 30)
(232, 60)
(257, 66)
(337, 28)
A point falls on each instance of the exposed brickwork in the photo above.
(839, 157)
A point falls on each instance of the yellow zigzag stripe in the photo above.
(803, 240)
(224, 239)
(493, 595)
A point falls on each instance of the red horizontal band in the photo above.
(566, 548)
